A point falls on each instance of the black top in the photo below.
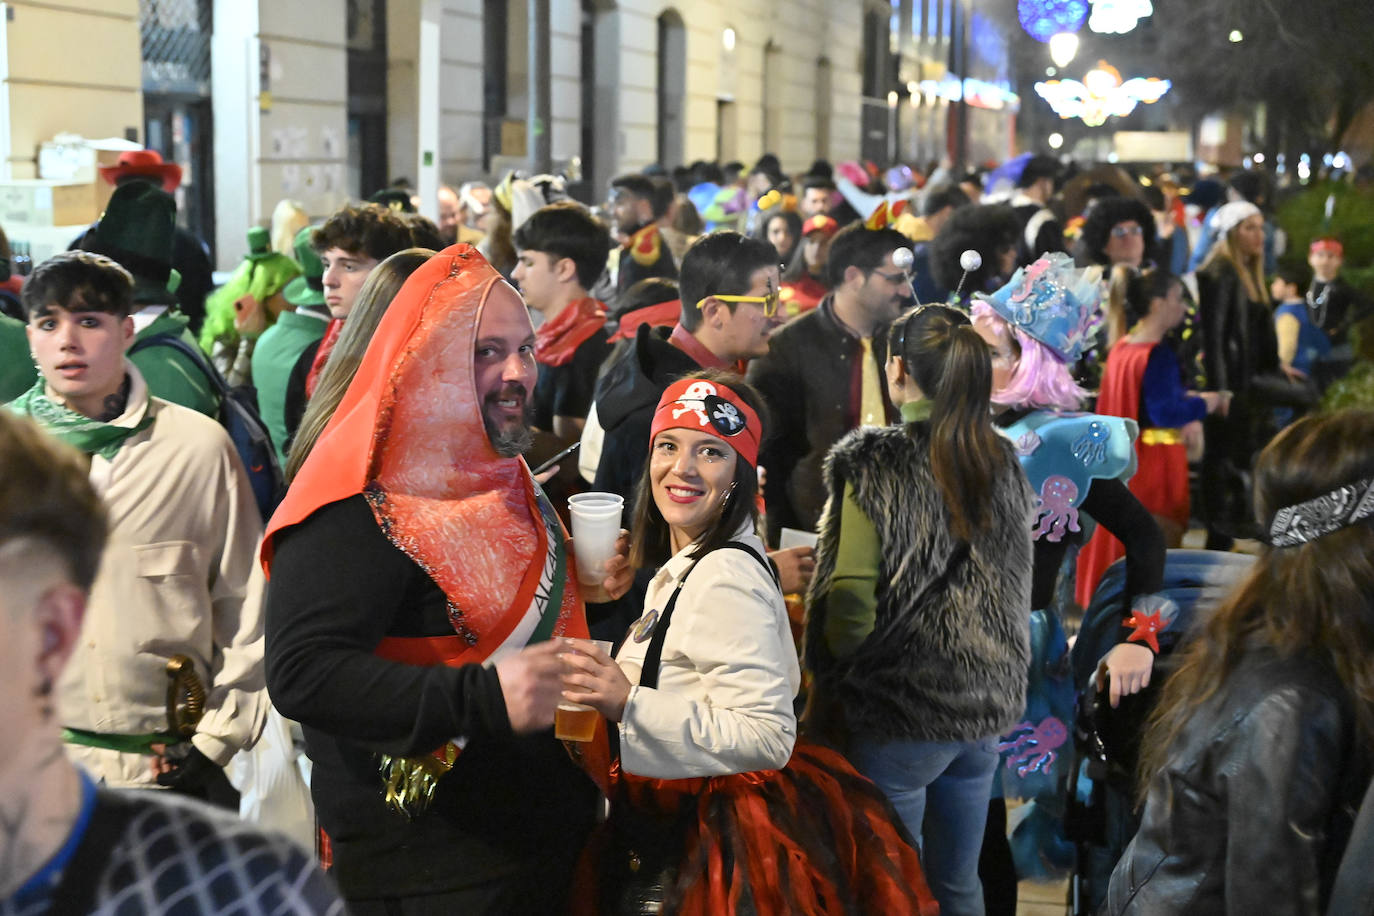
(566, 390)
(513, 809)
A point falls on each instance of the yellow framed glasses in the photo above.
(769, 302)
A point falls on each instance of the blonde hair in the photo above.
(288, 218)
(1250, 269)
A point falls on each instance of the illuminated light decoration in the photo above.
(1117, 17)
(1063, 47)
(1101, 95)
(1043, 19)
(1056, 141)
(978, 93)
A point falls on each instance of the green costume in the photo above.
(169, 373)
(17, 371)
(274, 358)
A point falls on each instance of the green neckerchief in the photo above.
(90, 436)
(916, 411)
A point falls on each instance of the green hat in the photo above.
(138, 230)
(307, 289)
(259, 243)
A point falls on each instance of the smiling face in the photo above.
(690, 473)
(504, 370)
(883, 291)
(81, 355)
(744, 333)
(344, 275)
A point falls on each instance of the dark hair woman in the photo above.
(701, 692)
(917, 630)
(1259, 751)
(784, 229)
(804, 281)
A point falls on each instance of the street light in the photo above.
(1056, 140)
(1063, 47)
(727, 38)
(1235, 37)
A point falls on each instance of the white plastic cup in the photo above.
(595, 528)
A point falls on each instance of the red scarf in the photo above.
(557, 340)
(331, 337)
(662, 315)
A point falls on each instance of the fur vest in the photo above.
(950, 650)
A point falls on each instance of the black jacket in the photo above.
(810, 381)
(1253, 808)
(625, 400)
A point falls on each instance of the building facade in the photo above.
(323, 101)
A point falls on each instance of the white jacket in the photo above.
(727, 675)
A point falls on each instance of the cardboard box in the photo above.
(36, 202)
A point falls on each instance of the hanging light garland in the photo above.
(1101, 95)
(1117, 17)
(1043, 19)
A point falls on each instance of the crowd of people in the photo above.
(314, 525)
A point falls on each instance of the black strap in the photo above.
(75, 893)
(648, 675)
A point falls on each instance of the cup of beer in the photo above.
(575, 721)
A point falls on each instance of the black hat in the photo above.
(393, 198)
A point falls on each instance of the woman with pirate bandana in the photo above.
(715, 807)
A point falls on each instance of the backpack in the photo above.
(238, 414)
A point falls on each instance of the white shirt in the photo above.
(727, 675)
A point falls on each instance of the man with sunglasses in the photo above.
(729, 291)
(823, 374)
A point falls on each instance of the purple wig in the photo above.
(1040, 379)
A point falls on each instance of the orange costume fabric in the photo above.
(799, 296)
(409, 435)
(1161, 478)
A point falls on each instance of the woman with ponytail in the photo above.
(1142, 382)
(916, 633)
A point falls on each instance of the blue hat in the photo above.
(1053, 302)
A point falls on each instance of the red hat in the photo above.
(820, 223)
(1327, 243)
(143, 163)
(706, 406)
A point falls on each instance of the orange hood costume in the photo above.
(409, 436)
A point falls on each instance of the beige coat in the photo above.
(173, 580)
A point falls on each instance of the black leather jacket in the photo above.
(1253, 808)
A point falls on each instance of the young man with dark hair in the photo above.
(729, 289)
(560, 254)
(729, 309)
(137, 231)
(168, 610)
(636, 206)
(350, 244)
(823, 374)
(817, 193)
(71, 846)
(937, 206)
(1041, 230)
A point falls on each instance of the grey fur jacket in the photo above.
(948, 656)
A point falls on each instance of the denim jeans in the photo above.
(940, 790)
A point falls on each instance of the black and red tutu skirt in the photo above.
(815, 837)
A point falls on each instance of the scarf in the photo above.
(331, 337)
(558, 339)
(92, 437)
